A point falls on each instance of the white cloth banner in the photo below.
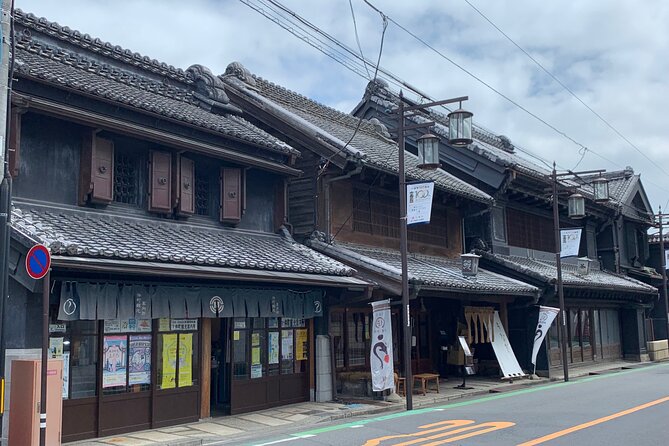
(666, 258)
(381, 354)
(419, 202)
(503, 351)
(570, 241)
(546, 317)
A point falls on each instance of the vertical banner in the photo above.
(66, 375)
(185, 359)
(381, 353)
(115, 351)
(502, 348)
(666, 258)
(273, 348)
(301, 344)
(419, 202)
(169, 361)
(139, 358)
(570, 241)
(546, 317)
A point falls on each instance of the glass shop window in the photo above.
(177, 353)
(337, 333)
(126, 356)
(76, 343)
(358, 330)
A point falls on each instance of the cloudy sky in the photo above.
(614, 55)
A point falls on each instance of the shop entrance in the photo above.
(220, 367)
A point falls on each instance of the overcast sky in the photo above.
(614, 55)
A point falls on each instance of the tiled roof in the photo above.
(429, 271)
(546, 270)
(78, 70)
(374, 149)
(622, 183)
(71, 232)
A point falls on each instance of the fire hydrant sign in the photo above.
(38, 261)
(419, 202)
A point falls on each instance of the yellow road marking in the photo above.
(467, 428)
(579, 427)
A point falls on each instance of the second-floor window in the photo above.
(126, 178)
(202, 195)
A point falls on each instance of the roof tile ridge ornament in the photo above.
(380, 127)
(96, 45)
(210, 90)
(236, 69)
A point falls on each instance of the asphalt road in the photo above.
(630, 407)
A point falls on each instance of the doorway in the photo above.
(220, 368)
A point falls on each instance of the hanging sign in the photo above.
(546, 317)
(419, 202)
(570, 241)
(381, 353)
(503, 351)
(38, 261)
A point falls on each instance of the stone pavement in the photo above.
(310, 413)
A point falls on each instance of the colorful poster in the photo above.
(381, 353)
(139, 354)
(256, 371)
(286, 344)
(114, 361)
(143, 325)
(301, 344)
(255, 355)
(66, 375)
(273, 347)
(185, 359)
(169, 361)
(419, 202)
(235, 335)
(56, 348)
(255, 339)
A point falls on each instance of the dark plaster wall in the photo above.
(260, 191)
(23, 315)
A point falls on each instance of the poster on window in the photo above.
(255, 355)
(139, 354)
(169, 361)
(114, 361)
(286, 344)
(256, 371)
(419, 202)
(301, 344)
(273, 347)
(185, 359)
(66, 375)
(381, 353)
(570, 241)
(56, 348)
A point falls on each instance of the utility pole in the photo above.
(5, 182)
(663, 267)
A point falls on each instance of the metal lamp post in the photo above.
(460, 133)
(576, 207)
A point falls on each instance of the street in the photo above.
(630, 407)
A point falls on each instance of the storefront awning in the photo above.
(112, 300)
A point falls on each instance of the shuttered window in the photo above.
(231, 195)
(160, 181)
(97, 174)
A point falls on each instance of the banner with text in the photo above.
(419, 202)
(666, 258)
(381, 354)
(546, 317)
(570, 241)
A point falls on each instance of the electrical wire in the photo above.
(357, 37)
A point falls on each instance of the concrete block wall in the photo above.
(323, 369)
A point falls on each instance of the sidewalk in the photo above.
(308, 414)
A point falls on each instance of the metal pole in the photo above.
(663, 266)
(406, 319)
(45, 357)
(560, 290)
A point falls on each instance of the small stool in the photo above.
(425, 379)
(401, 386)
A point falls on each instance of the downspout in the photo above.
(326, 191)
(616, 241)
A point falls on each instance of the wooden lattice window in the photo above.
(377, 213)
(126, 179)
(202, 191)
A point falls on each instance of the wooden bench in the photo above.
(425, 379)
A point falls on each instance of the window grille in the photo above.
(126, 179)
(201, 194)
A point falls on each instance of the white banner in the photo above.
(503, 351)
(546, 317)
(570, 241)
(666, 258)
(381, 354)
(419, 202)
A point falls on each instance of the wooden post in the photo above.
(504, 316)
(205, 379)
(312, 359)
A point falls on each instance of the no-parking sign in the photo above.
(38, 261)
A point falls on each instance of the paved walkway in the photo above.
(306, 414)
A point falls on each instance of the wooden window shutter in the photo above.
(231, 195)
(160, 181)
(15, 141)
(183, 186)
(97, 170)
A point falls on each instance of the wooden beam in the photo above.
(205, 375)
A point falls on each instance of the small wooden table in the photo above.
(425, 379)
(401, 386)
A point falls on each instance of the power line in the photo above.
(565, 87)
(357, 38)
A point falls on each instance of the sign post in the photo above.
(38, 264)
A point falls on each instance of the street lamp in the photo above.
(576, 207)
(460, 129)
(600, 187)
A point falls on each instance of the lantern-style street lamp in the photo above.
(600, 187)
(576, 206)
(428, 152)
(460, 127)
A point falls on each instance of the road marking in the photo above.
(579, 427)
(467, 429)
